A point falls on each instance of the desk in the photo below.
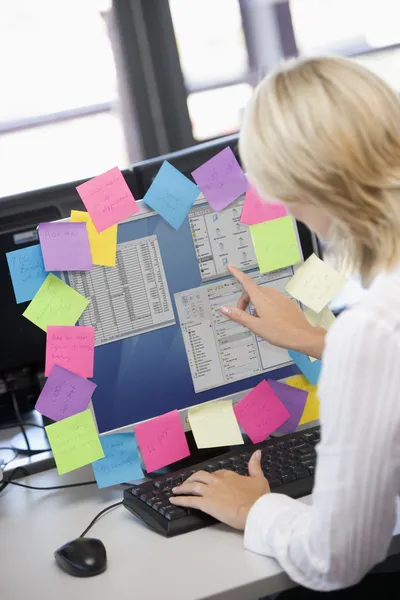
(142, 565)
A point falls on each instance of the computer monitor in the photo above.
(161, 342)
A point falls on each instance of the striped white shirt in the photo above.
(348, 527)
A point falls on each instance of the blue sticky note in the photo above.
(27, 272)
(310, 369)
(121, 460)
(171, 194)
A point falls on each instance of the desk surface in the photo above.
(209, 563)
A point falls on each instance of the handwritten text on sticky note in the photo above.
(65, 246)
(74, 442)
(64, 394)
(121, 460)
(214, 424)
(27, 271)
(108, 199)
(256, 210)
(315, 283)
(56, 303)
(275, 244)
(103, 246)
(171, 195)
(70, 347)
(221, 179)
(162, 441)
(260, 412)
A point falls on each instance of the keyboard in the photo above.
(288, 462)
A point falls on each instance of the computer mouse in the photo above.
(82, 557)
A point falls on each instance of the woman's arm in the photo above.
(277, 319)
(348, 528)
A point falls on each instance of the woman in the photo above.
(323, 136)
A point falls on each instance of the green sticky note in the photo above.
(55, 303)
(275, 244)
(75, 442)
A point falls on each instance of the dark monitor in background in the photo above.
(185, 161)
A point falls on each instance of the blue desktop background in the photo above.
(148, 375)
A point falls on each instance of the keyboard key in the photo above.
(235, 460)
(311, 469)
(211, 468)
(274, 483)
(288, 477)
(224, 464)
(174, 513)
(301, 473)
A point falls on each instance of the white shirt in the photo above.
(335, 541)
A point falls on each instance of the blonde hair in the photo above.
(327, 130)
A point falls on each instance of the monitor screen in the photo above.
(161, 340)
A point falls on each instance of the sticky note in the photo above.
(121, 460)
(311, 369)
(315, 283)
(56, 303)
(103, 246)
(294, 400)
(171, 194)
(324, 319)
(65, 246)
(71, 347)
(311, 409)
(74, 442)
(275, 244)
(221, 179)
(256, 210)
(214, 424)
(162, 441)
(64, 394)
(260, 412)
(108, 199)
(27, 271)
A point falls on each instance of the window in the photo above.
(59, 119)
(214, 61)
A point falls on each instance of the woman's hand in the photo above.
(224, 495)
(278, 319)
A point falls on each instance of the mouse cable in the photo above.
(99, 515)
(4, 484)
(10, 386)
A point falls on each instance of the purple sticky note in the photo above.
(294, 400)
(260, 412)
(64, 394)
(221, 179)
(65, 246)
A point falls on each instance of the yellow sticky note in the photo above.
(103, 246)
(311, 409)
(55, 303)
(75, 442)
(325, 319)
(275, 244)
(214, 424)
(315, 283)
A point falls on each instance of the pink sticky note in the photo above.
(162, 441)
(70, 347)
(256, 210)
(260, 413)
(221, 179)
(108, 199)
